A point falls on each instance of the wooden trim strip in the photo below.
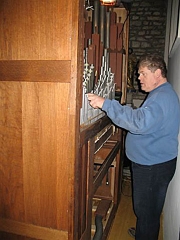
(103, 139)
(36, 70)
(32, 231)
(92, 130)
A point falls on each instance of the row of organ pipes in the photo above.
(103, 57)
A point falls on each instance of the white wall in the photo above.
(172, 203)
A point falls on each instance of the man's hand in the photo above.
(95, 101)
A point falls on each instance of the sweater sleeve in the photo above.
(145, 119)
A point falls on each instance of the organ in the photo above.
(60, 160)
(103, 75)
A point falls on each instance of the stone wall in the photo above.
(146, 35)
(148, 26)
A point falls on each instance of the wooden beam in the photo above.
(32, 231)
(35, 70)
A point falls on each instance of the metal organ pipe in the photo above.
(104, 86)
(96, 16)
(102, 23)
(107, 39)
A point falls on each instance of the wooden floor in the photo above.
(125, 217)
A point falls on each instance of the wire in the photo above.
(124, 24)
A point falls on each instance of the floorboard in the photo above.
(125, 217)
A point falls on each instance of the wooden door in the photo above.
(40, 79)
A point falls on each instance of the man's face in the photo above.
(147, 79)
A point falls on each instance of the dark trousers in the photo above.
(150, 185)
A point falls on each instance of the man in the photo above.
(151, 142)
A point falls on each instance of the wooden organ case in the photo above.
(105, 70)
(60, 160)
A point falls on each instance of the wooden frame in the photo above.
(174, 33)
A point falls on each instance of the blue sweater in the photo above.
(152, 129)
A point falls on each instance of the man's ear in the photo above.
(158, 73)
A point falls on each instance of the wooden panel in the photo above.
(87, 33)
(45, 155)
(34, 138)
(11, 174)
(113, 18)
(113, 62)
(31, 231)
(35, 30)
(113, 37)
(91, 54)
(35, 71)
